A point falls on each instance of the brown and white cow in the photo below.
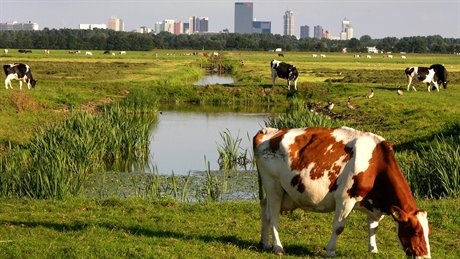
(336, 169)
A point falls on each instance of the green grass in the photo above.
(119, 228)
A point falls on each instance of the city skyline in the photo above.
(378, 19)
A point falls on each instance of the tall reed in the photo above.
(434, 170)
(57, 162)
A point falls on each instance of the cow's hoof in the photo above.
(330, 254)
(278, 250)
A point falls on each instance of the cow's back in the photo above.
(312, 164)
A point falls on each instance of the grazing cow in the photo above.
(323, 55)
(339, 169)
(285, 71)
(368, 56)
(123, 52)
(441, 73)
(357, 56)
(24, 51)
(314, 55)
(106, 51)
(424, 74)
(5, 51)
(46, 51)
(88, 53)
(280, 55)
(18, 71)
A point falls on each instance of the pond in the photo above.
(182, 141)
(215, 79)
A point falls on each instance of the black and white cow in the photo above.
(441, 73)
(18, 71)
(423, 74)
(285, 71)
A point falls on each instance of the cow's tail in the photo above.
(261, 190)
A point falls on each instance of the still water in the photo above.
(215, 79)
(181, 140)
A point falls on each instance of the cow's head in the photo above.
(413, 232)
(32, 83)
(293, 73)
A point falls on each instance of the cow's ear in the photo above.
(398, 214)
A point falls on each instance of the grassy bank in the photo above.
(144, 229)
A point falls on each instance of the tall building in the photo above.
(186, 27)
(318, 32)
(178, 27)
(115, 24)
(244, 15)
(204, 24)
(168, 25)
(261, 27)
(289, 24)
(16, 26)
(347, 30)
(159, 27)
(305, 32)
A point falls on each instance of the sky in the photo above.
(376, 18)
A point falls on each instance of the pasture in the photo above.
(69, 83)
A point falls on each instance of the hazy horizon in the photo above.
(378, 19)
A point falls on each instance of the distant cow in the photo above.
(423, 74)
(123, 52)
(24, 51)
(285, 71)
(18, 71)
(5, 51)
(336, 170)
(88, 53)
(441, 73)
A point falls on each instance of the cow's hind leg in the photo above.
(270, 210)
(340, 218)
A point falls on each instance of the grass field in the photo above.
(145, 228)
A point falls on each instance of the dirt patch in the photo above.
(92, 106)
(23, 102)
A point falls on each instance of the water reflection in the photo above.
(215, 79)
(181, 140)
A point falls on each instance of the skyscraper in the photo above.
(318, 32)
(115, 24)
(305, 32)
(244, 17)
(289, 25)
(347, 30)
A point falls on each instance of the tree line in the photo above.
(103, 39)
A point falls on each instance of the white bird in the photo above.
(329, 106)
(371, 94)
(349, 106)
(400, 92)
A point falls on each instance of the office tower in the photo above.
(159, 27)
(243, 17)
(289, 25)
(178, 27)
(115, 24)
(318, 32)
(261, 27)
(204, 24)
(168, 25)
(186, 27)
(305, 32)
(347, 30)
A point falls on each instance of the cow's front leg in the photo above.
(429, 87)
(295, 84)
(273, 78)
(409, 79)
(289, 85)
(372, 225)
(340, 218)
(20, 84)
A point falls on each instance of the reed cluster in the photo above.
(57, 161)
